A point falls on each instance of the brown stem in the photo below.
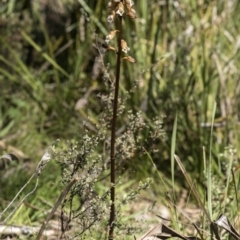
(112, 153)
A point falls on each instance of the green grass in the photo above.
(187, 60)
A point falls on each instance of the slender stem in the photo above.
(60, 199)
(114, 118)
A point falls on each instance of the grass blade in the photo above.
(209, 166)
(45, 55)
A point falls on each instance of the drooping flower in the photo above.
(120, 9)
(110, 36)
(110, 18)
(124, 46)
(111, 49)
(129, 59)
(130, 12)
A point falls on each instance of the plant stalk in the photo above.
(113, 130)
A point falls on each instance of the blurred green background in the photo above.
(188, 58)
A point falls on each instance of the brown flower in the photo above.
(124, 46)
(110, 18)
(130, 59)
(110, 36)
(130, 12)
(120, 9)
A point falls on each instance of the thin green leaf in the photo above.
(45, 55)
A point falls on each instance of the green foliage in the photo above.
(56, 81)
